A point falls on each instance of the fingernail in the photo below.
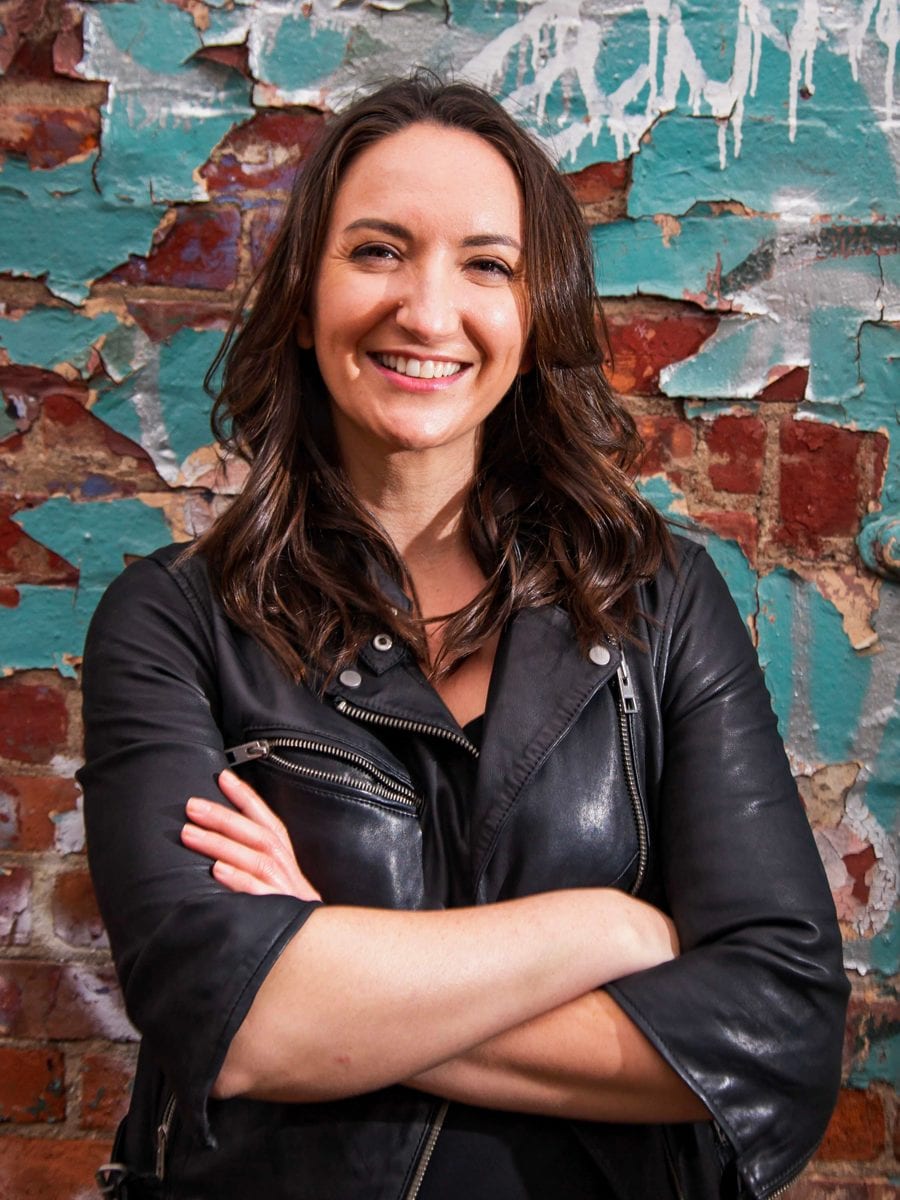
(195, 804)
(220, 868)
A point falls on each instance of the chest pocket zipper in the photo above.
(360, 774)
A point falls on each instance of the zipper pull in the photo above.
(629, 700)
(250, 750)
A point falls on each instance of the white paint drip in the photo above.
(577, 37)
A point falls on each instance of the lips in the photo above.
(419, 368)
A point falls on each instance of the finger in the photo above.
(231, 824)
(264, 864)
(248, 800)
(241, 881)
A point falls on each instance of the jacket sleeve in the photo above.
(190, 954)
(751, 1015)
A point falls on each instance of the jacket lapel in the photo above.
(541, 682)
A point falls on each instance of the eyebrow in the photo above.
(400, 231)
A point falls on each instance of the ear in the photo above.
(305, 338)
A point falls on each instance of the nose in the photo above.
(428, 306)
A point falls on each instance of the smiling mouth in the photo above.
(418, 368)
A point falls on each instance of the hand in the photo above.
(251, 849)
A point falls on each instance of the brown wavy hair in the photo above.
(552, 515)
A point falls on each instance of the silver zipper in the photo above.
(162, 1137)
(425, 1157)
(627, 704)
(374, 718)
(385, 789)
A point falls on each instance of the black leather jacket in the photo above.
(666, 777)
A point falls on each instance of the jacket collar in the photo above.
(541, 681)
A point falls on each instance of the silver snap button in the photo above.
(350, 678)
(382, 641)
(599, 655)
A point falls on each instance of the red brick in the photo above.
(668, 444)
(68, 45)
(32, 1086)
(740, 527)
(15, 906)
(737, 447)
(30, 806)
(75, 916)
(20, 19)
(105, 1090)
(198, 250)
(819, 1187)
(263, 223)
(40, 1168)
(48, 135)
(789, 386)
(235, 57)
(262, 154)
(160, 319)
(34, 722)
(645, 337)
(25, 388)
(71, 1001)
(602, 189)
(821, 482)
(856, 1132)
(96, 468)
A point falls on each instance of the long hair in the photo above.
(552, 515)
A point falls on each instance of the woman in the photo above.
(459, 657)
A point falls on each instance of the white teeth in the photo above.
(419, 368)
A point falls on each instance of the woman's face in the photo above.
(419, 320)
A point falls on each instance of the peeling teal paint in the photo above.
(837, 681)
(662, 494)
(718, 369)
(303, 50)
(161, 402)
(183, 362)
(882, 1057)
(56, 224)
(679, 164)
(168, 109)
(95, 538)
(633, 257)
(46, 337)
(737, 572)
(775, 632)
(47, 627)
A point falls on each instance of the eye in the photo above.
(491, 268)
(374, 252)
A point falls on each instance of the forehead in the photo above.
(432, 174)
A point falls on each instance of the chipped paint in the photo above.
(57, 225)
(158, 399)
(46, 627)
(54, 337)
(166, 110)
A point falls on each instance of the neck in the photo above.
(418, 499)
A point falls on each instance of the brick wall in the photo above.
(740, 179)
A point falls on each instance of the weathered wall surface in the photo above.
(738, 162)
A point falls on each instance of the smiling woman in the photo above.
(419, 312)
(508, 892)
